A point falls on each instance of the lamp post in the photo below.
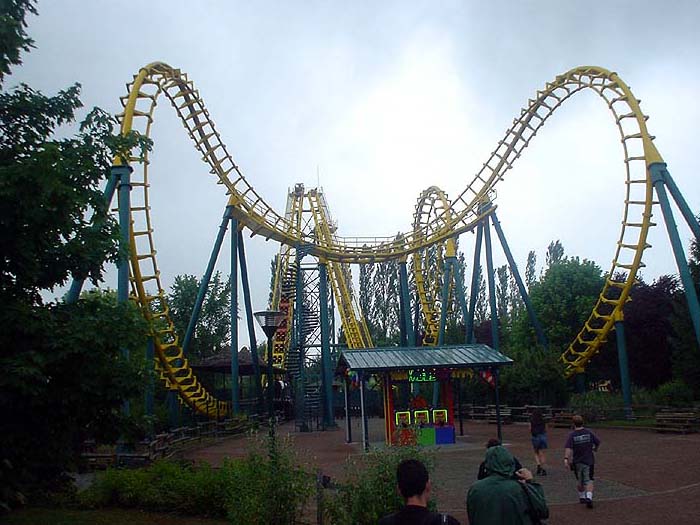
(269, 321)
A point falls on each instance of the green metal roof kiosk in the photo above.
(444, 366)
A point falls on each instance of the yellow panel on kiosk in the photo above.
(421, 417)
(440, 417)
(403, 418)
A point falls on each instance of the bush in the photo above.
(268, 488)
(258, 489)
(675, 393)
(370, 488)
(164, 486)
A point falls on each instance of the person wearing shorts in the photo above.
(579, 457)
(538, 431)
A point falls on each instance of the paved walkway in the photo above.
(642, 477)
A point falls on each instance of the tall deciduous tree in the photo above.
(63, 378)
(530, 265)
(555, 253)
(212, 332)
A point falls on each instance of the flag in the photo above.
(487, 377)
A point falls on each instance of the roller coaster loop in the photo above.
(640, 155)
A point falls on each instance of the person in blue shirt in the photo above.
(579, 457)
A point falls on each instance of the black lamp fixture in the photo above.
(269, 321)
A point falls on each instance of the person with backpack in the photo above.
(414, 486)
(579, 457)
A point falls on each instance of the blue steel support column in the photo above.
(657, 178)
(521, 286)
(497, 383)
(173, 409)
(77, 284)
(450, 263)
(204, 283)
(124, 174)
(624, 367)
(365, 429)
(681, 203)
(150, 371)
(348, 424)
(492, 287)
(328, 420)
(251, 322)
(406, 302)
(403, 335)
(299, 329)
(235, 397)
(446, 279)
(416, 322)
(450, 259)
(475, 283)
(461, 298)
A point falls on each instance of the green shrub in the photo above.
(163, 486)
(268, 488)
(675, 393)
(370, 488)
(592, 404)
(257, 489)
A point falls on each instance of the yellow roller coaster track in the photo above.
(432, 209)
(158, 79)
(308, 211)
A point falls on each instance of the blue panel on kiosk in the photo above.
(444, 435)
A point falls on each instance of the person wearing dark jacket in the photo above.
(414, 485)
(493, 442)
(505, 497)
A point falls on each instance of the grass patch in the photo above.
(33, 516)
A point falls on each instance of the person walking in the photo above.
(414, 486)
(505, 497)
(538, 433)
(494, 442)
(580, 458)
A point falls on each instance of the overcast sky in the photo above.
(384, 99)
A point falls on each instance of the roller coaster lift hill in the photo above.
(306, 231)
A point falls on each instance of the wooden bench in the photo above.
(473, 411)
(506, 415)
(562, 419)
(681, 422)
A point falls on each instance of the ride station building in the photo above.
(418, 388)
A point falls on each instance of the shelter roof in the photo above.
(402, 358)
(221, 362)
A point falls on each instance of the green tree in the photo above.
(212, 333)
(563, 300)
(685, 354)
(13, 38)
(530, 268)
(555, 253)
(365, 294)
(63, 376)
(384, 308)
(502, 292)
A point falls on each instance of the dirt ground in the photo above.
(641, 476)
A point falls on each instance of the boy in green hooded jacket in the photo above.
(505, 497)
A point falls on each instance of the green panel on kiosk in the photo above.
(426, 436)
